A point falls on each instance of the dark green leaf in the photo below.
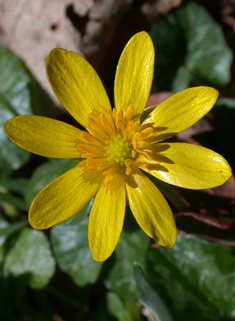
(12, 157)
(31, 255)
(13, 184)
(15, 99)
(3, 225)
(72, 252)
(20, 88)
(117, 308)
(146, 112)
(14, 82)
(131, 247)
(20, 94)
(14, 200)
(195, 278)
(224, 113)
(12, 290)
(10, 229)
(44, 174)
(190, 48)
(148, 297)
(101, 313)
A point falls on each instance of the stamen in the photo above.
(120, 124)
(107, 125)
(145, 154)
(146, 131)
(143, 145)
(86, 137)
(91, 149)
(97, 125)
(129, 114)
(137, 136)
(119, 115)
(93, 122)
(95, 161)
(105, 166)
(107, 114)
(128, 171)
(111, 170)
(92, 155)
(108, 179)
(136, 125)
(112, 142)
(97, 134)
(134, 143)
(83, 163)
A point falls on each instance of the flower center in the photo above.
(118, 150)
(113, 142)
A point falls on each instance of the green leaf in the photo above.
(14, 184)
(12, 291)
(131, 247)
(72, 252)
(20, 94)
(31, 255)
(146, 112)
(14, 200)
(44, 174)
(3, 225)
(224, 113)
(190, 48)
(10, 229)
(101, 312)
(15, 99)
(148, 297)
(117, 308)
(12, 157)
(15, 82)
(195, 278)
(20, 88)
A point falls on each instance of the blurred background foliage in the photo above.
(51, 275)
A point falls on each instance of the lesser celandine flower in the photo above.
(116, 148)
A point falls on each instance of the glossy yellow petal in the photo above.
(189, 166)
(150, 209)
(106, 218)
(76, 84)
(64, 197)
(134, 74)
(43, 136)
(181, 111)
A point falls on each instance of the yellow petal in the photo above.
(76, 84)
(181, 111)
(106, 218)
(189, 166)
(64, 197)
(43, 136)
(150, 209)
(134, 74)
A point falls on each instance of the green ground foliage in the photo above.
(51, 275)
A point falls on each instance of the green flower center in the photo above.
(118, 150)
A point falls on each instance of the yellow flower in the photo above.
(116, 146)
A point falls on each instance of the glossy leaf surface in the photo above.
(190, 47)
(195, 278)
(72, 252)
(131, 247)
(148, 297)
(44, 174)
(31, 255)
